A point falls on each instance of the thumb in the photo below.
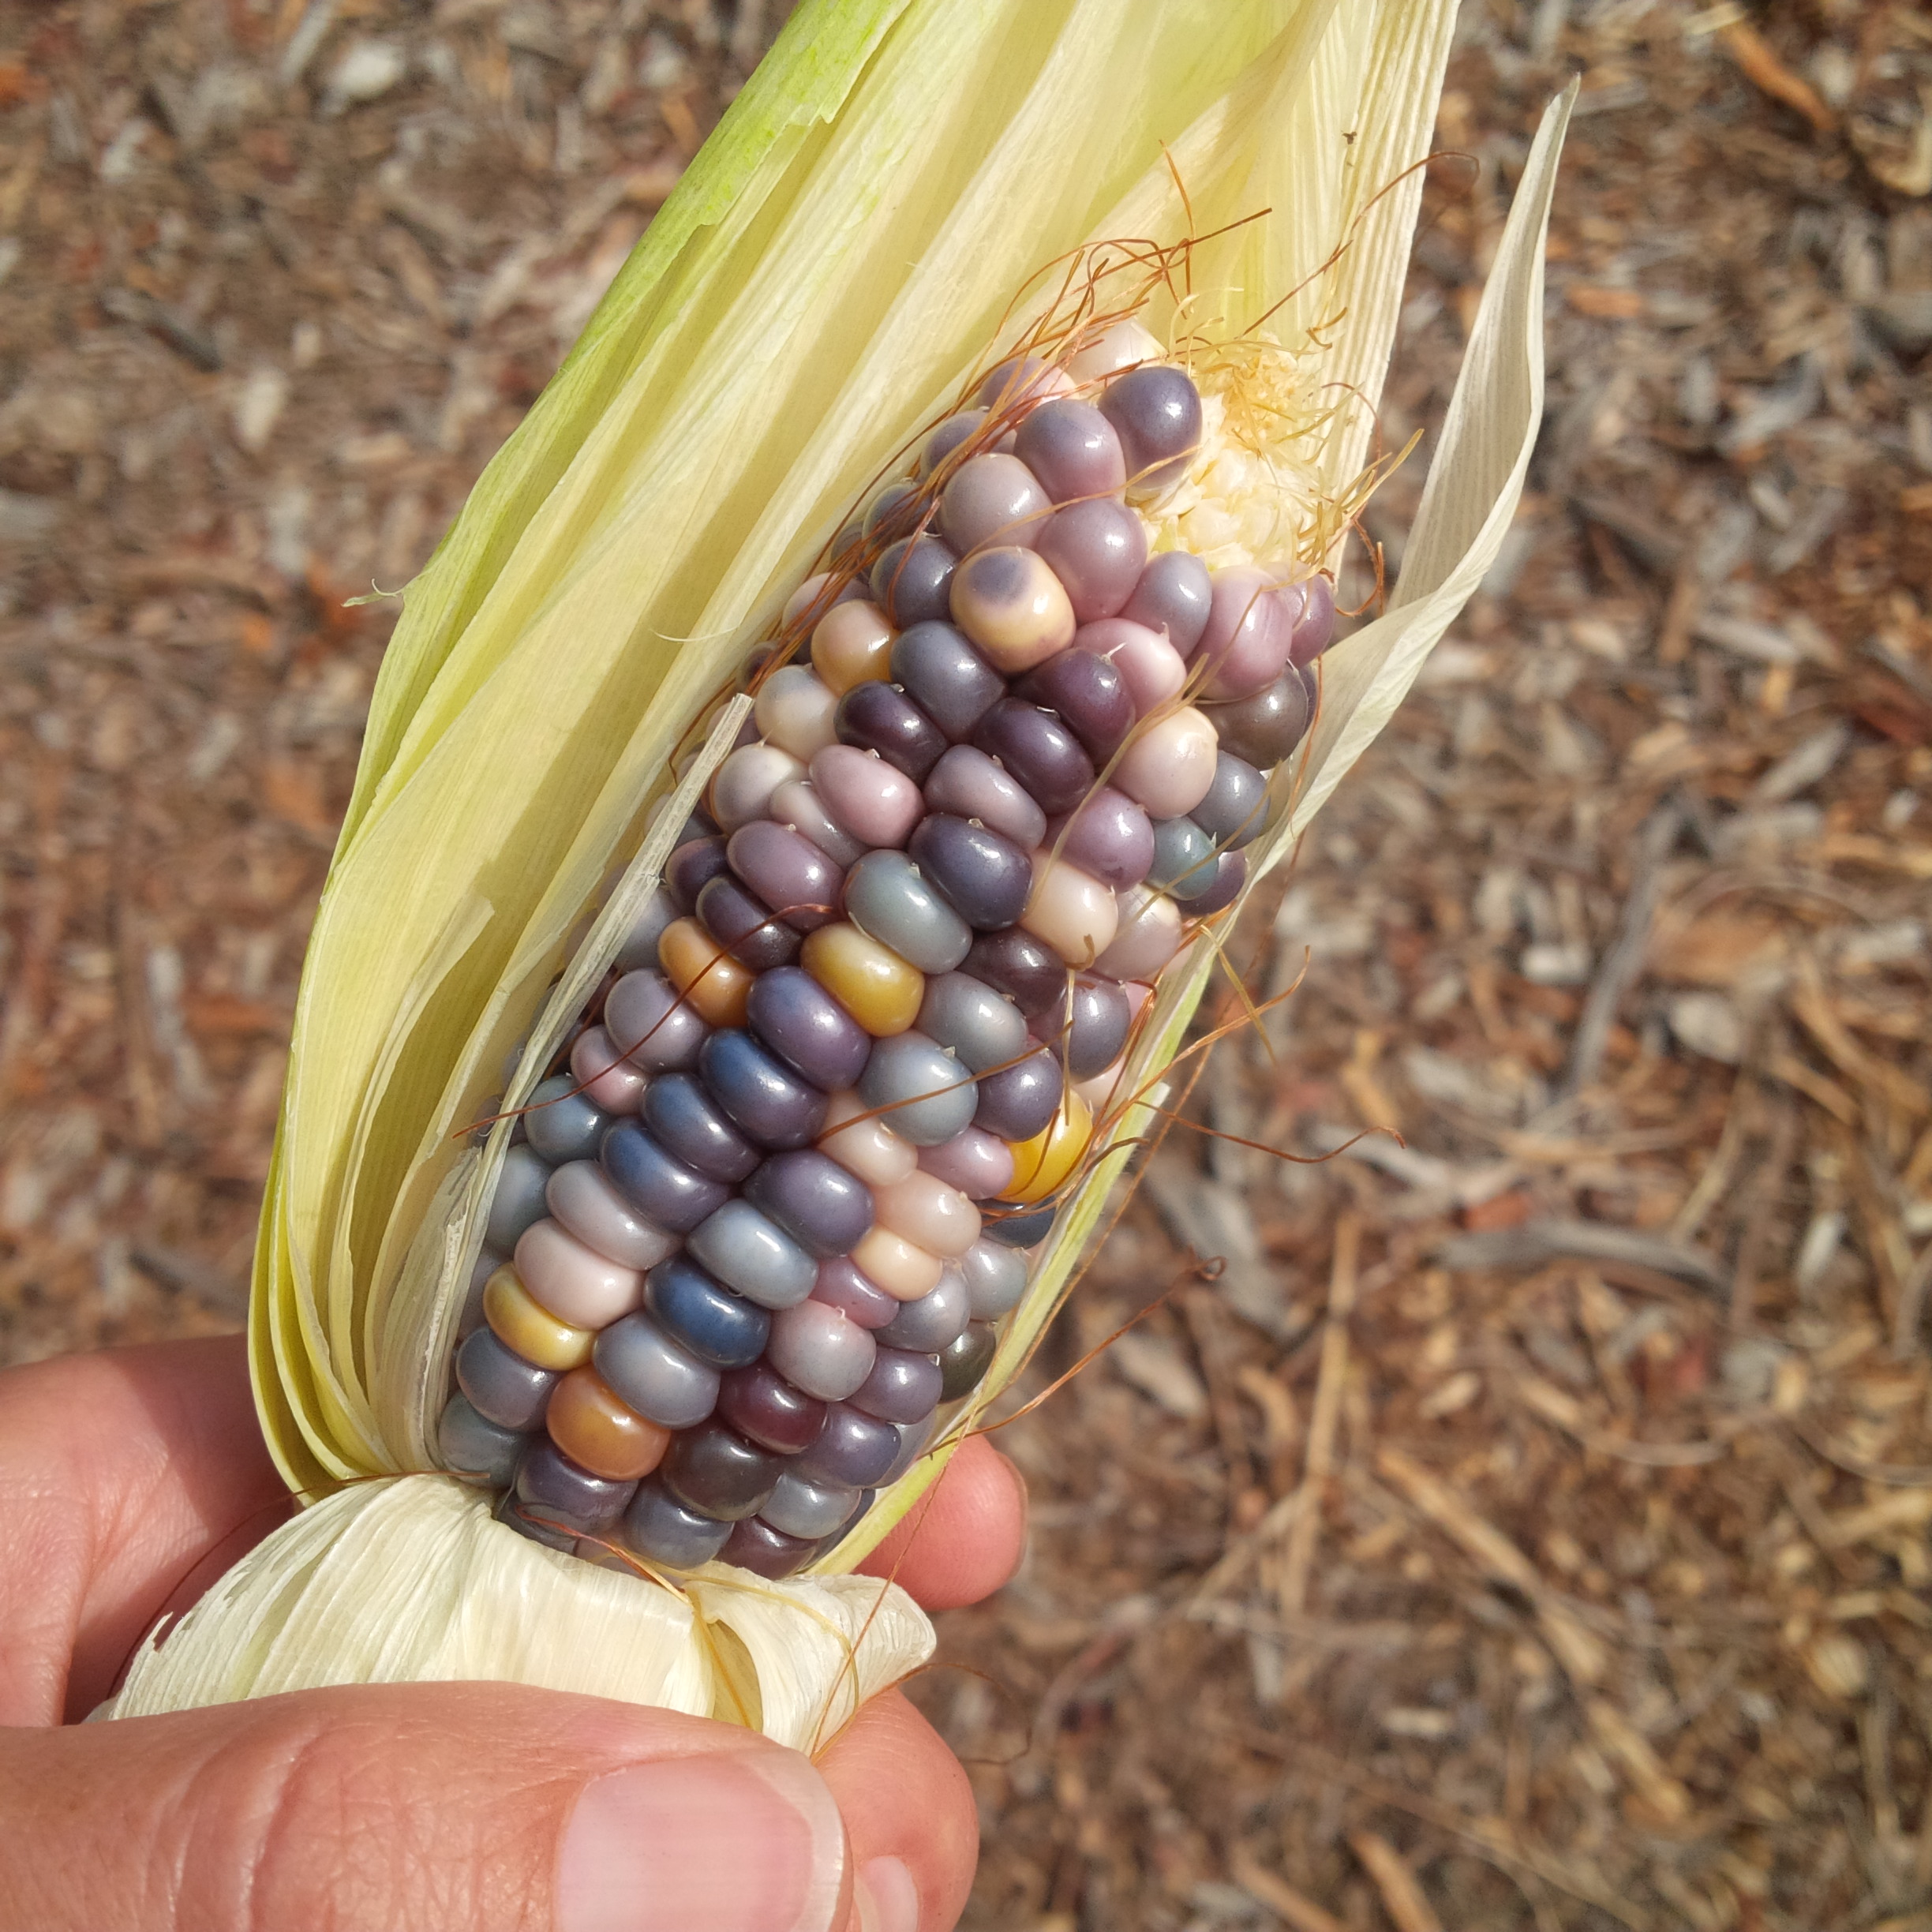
(432, 1807)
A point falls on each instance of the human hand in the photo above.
(458, 1807)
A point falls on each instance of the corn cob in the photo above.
(679, 1155)
(1001, 765)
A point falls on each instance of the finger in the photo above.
(436, 1807)
(125, 1470)
(914, 1826)
(964, 1537)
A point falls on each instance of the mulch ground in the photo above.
(1518, 1518)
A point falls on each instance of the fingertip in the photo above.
(964, 1537)
(908, 1804)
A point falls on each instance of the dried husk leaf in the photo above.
(765, 353)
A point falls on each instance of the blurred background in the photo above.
(1528, 1527)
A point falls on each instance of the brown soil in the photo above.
(1527, 1526)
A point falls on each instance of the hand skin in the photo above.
(432, 1807)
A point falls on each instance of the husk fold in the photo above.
(839, 258)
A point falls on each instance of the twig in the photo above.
(1401, 1897)
(1536, 1242)
(1292, 1592)
(1624, 960)
(1303, 1914)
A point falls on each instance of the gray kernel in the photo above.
(518, 1202)
(983, 1027)
(928, 1096)
(996, 1278)
(932, 1322)
(748, 1251)
(659, 1380)
(472, 1447)
(564, 1125)
(886, 897)
(800, 1507)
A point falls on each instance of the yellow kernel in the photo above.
(852, 643)
(1040, 1165)
(522, 1325)
(871, 981)
(590, 1423)
(714, 984)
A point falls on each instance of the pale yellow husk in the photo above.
(839, 258)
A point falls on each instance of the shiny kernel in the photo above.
(1040, 1165)
(905, 1271)
(1071, 911)
(851, 643)
(871, 981)
(714, 984)
(929, 1211)
(592, 1426)
(862, 1145)
(531, 1330)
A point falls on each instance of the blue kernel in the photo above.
(716, 1326)
(665, 1191)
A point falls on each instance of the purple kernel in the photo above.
(1088, 1029)
(912, 581)
(1073, 450)
(851, 1448)
(548, 1482)
(1245, 647)
(765, 1552)
(719, 1474)
(751, 933)
(788, 871)
(1019, 381)
(1110, 835)
(1015, 963)
(1174, 595)
(759, 1402)
(1314, 629)
(967, 783)
(1097, 550)
(692, 867)
(1089, 694)
(978, 1163)
(790, 1014)
(1236, 806)
(986, 878)
(764, 1099)
(502, 1387)
(1156, 412)
(902, 1387)
(1264, 728)
(947, 437)
(1017, 1102)
(993, 499)
(1036, 747)
(689, 1125)
(894, 512)
(841, 1285)
(877, 716)
(824, 1208)
(946, 678)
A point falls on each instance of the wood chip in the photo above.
(1401, 1895)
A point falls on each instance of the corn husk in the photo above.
(839, 258)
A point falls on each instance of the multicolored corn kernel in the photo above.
(770, 1216)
